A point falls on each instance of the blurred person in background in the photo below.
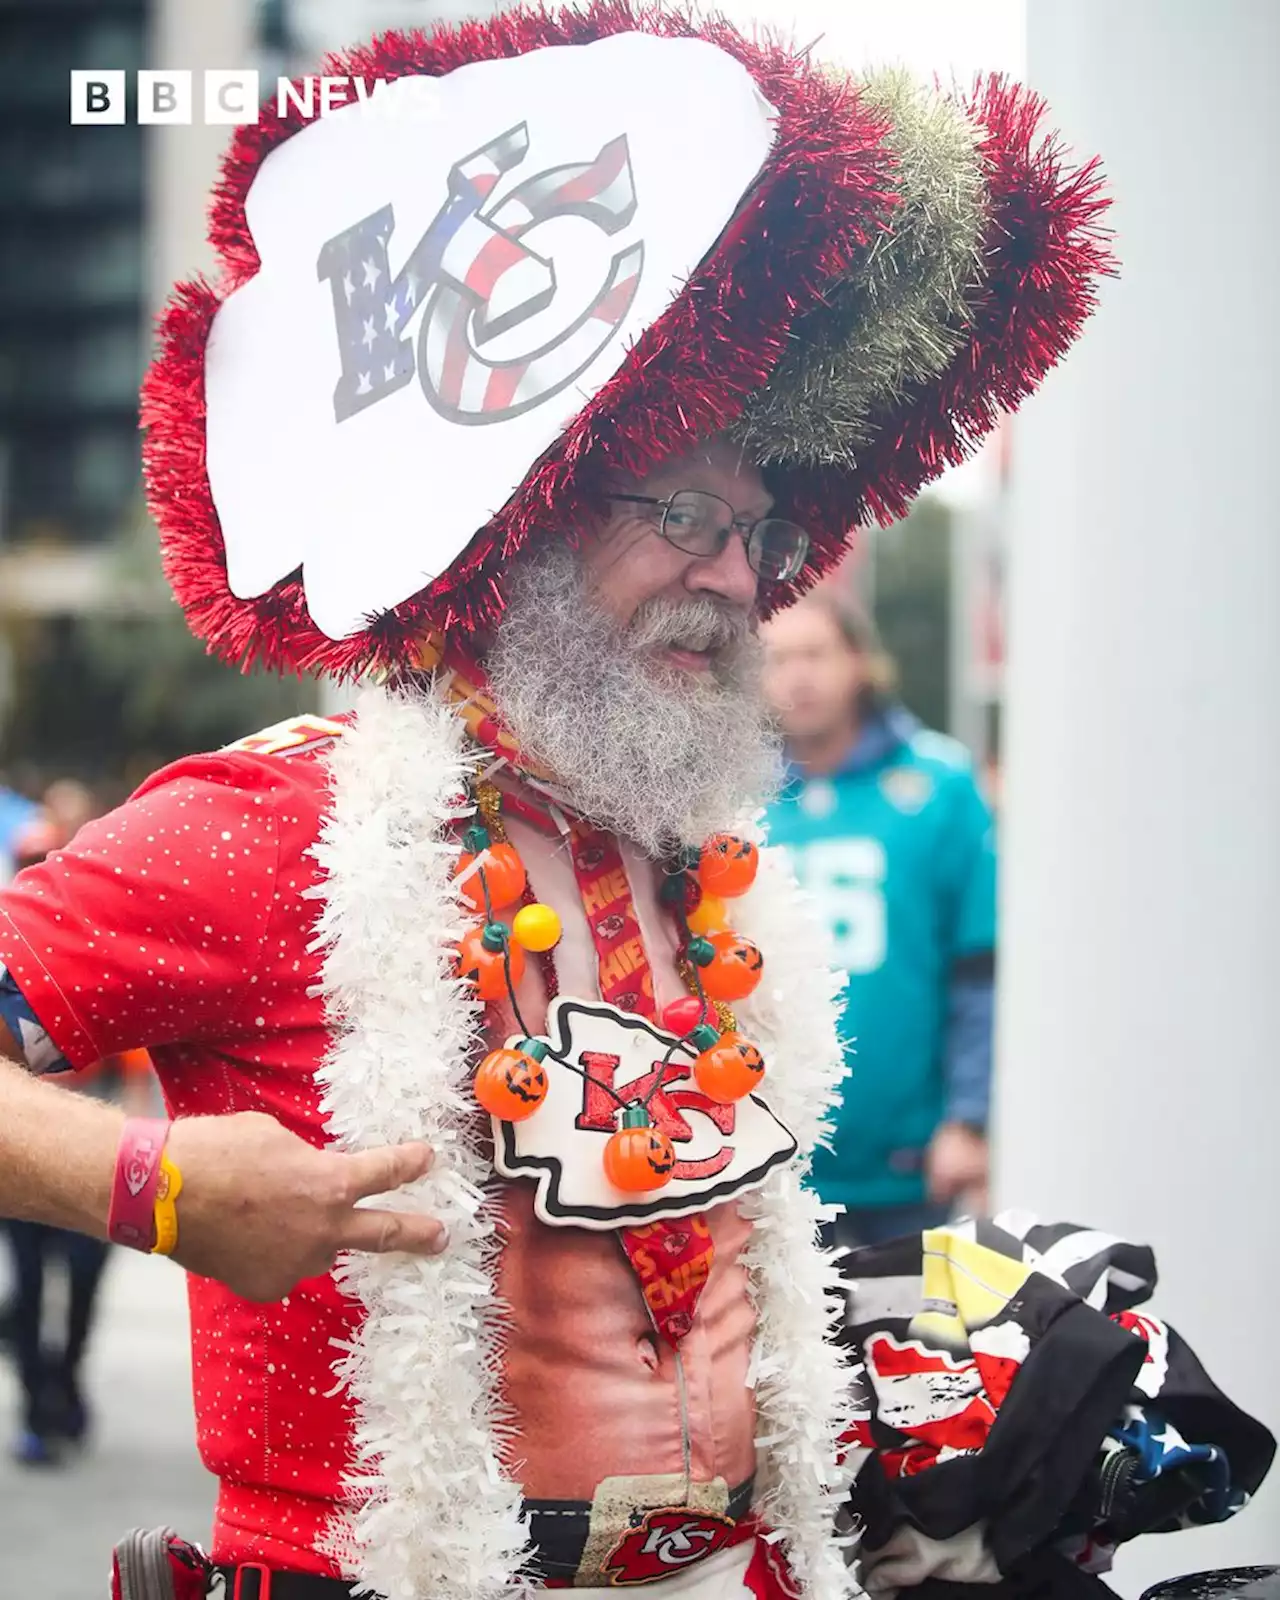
(16, 814)
(17, 817)
(67, 806)
(54, 1411)
(63, 810)
(889, 832)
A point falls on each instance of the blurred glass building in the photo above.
(72, 245)
(71, 277)
(96, 223)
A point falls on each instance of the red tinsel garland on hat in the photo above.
(825, 194)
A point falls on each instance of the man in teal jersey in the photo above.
(888, 830)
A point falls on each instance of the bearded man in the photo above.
(478, 410)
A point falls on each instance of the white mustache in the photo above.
(653, 754)
(695, 625)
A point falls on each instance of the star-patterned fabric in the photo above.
(1179, 1483)
(41, 1055)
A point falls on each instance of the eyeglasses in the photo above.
(700, 524)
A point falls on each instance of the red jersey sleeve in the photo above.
(146, 930)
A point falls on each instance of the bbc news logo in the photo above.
(233, 98)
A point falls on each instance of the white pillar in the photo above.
(1140, 958)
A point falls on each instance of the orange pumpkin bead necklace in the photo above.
(718, 965)
(638, 1157)
(490, 875)
(511, 1084)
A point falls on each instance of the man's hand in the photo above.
(261, 1209)
(956, 1165)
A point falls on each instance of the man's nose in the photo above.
(727, 574)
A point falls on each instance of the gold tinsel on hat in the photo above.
(896, 321)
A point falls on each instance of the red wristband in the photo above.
(133, 1194)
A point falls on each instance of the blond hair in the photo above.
(858, 630)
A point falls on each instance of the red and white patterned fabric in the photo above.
(182, 922)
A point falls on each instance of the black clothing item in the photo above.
(284, 1585)
(1008, 1381)
(1229, 1583)
(51, 1398)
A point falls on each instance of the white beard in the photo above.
(662, 756)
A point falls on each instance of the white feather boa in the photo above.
(431, 1512)
(804, 1398)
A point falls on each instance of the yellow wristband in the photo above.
(166, 1208)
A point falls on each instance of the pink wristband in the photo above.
(133, 1194)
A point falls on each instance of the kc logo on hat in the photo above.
(437, 300)
(476, 281)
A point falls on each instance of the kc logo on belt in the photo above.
(664, 1542)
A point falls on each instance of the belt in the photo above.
(253, 1581)
(558, 1532)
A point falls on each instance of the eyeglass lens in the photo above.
(699, 523)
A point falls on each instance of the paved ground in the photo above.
(57, 1527)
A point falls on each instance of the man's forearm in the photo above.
(57, 1150)
(261, 1208)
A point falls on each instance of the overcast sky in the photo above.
(951, 37)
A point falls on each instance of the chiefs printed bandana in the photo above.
(672, 1260)
(625, 978)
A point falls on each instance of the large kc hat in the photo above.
(552, 243)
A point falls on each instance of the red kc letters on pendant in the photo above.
(599, 1107)
(722, 1150)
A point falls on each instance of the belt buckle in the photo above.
(264, 1582)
